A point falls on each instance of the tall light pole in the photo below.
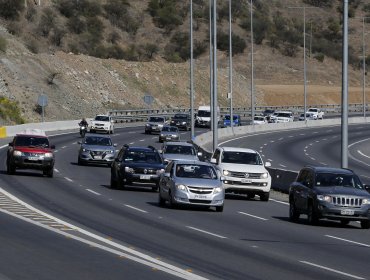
(363, 67)
(211, 61)
(344, 124)
(230, 69)
(304, 58)
(252, 64)
(214, 74)
(191, 72)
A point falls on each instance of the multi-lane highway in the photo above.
(79, 228)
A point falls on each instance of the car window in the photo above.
(180, 117)
(173, 129)
(142, 156)
(241, 158)
(98, 141)
(195, 171)
(31, 141)
(102, 118)
(120, 154)
(156, 119)
(178, 149)
(341, 180)
(169, 167)
(166, 129)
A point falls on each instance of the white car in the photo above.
(318, 114)
(282, 117)
(260, 120)
(102, 123)
(243, 171)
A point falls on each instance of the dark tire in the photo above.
(265, 196)
(48, 172)
(251, 195)
(10, 168)
(92, 131)
(171, 201)
(220, 208)
(365, 224)
(312, 218)
(155, 189)
(120, 184)
(161, 200)
(80, 162)
(293, 213)
(113, 183)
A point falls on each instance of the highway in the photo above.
(94, 232)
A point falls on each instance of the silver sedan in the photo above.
(191, 183)
(169, 133)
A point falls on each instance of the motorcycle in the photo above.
(83, 129)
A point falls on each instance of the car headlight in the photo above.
(48, 155)
(147, 124)
(17, 153)
(162, 135)
(226, 172)
(217, 190)
(85, 150)
(160, 171)
(129, 169)
(366, 201)
(264, 175)
(326, 198)
(110, 152)
(181, 187)
(160, 125)
(183, 123)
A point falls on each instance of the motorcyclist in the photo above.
(83, 123)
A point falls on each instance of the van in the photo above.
(203, 118)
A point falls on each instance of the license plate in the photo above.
(168, 138)
(200, 196)
(145, 177)
(246, 181)
(97, 157)
(347, 212)
(33, 158)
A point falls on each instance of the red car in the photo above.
(31, 150)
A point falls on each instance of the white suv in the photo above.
(102, 123)
(282, 117)
(244, 171)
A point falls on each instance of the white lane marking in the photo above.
(183, 133)
(305, 150)
(330, 130)
(154, 137)
(272, 141)
(306, 147)
(120, 250)
(68, 179)
(322, 163)
(64, 147)
(265, 144)
(117, 134)
(56, 170)
(291, 136)
(142, 140)
(137, 209)
(131, 132)
(346, 240)
(365, 176)
(312, 158)
(315, 132)
(306, 154)
(4, 146)
(282, 165)
(132, 143)
(253, 216)
(310, 144)
(324, 139)
(332, 270)
(207, 232)
(260, 151)
(55, 151)
(96, 193)
(302, 134)
(74, 143)
(361, 153)
(261, 147)
(352, 157)
(278, 201)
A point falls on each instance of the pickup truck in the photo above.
(102, 123)
(317, 113)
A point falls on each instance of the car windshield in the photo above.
(170, 129)
(312, 110)
(284, 115)
(241, 158)
(180, 117)
(156, 119)
(204, 113)
(177, 149)
(102, 118)
(227, 118)
(98, 141)
(142, 156)
(31, 141)
(258, 118)
(195, 171)
(338, 180)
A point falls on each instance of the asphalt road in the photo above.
(249, 240)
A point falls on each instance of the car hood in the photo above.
(179, 157)
(156, 123)
(32, 149)
(198, 183)
(144, 165)
(338, 190)
(169, 133)
(251, 168)
(99, 122)
(97, 147)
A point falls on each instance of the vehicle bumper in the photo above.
(25, 163)
(335, 213)
(87, 158)
(142, 178)
(256, 186)
(168, 138)
(183, 197)
(153, 129)
(99, 129)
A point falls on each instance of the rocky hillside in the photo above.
(82, 85)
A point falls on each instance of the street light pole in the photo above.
(252, 64)
(214, 74)
(230, 69)
(191, 72)
(211, 61)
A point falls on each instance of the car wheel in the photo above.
(10, 169)
(265, 196)
(92, 131)
(80, 162)
(251, 195)
(161, 200)
(171, 201)
(344, 222)
(113, 183)
(311, 215)
(220, 208)
(48, 172)
(365, 224)
(293, 213)
(155, 189)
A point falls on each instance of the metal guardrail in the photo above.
(139, 115)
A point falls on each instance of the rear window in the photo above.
(30, 141)
(156, 119)
(177, 149)
(182, 117)
(142, 156)
(98, 141)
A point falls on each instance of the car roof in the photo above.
(141, 148)
(288, 112)
(97, 135)
(102, 115)
(193, 162)
(321, 169)
(178, 144)
(237, 149)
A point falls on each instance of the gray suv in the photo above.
(155, 124)
(331, 193)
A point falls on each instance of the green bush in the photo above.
(47, 22)
(31, 13)
(57, 36)
(116, 11)
(290, 50)
(320, 3)
(3, 44)
(9, 110)
(167, 14)
(10, 9)
(238, 43)
(33, 45)
(95, 27)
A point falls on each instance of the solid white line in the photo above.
(322, 163)
(141, 140)
(365, 176)
(132, 143)
(263, 219)
(361, 153)
(206, 232)
(56, 170)
(281, 138)
(4, 146)
(93, 192)
(346, 240)
(332, 270)
(132, 207)
(282, 165)
(70, 180)
(278, 201)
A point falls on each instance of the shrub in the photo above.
(47, 22)
(116, 52)
(31, 13)
(116, 11)
(33, 45)
(87, 8)
(113, 37)
(10, 9)
(150, 49)
(320, 57)
(290, 50)
(166, 13)
(15, 28)
(3, 44)
(238, 43)
(57, 36)
(319, 3)
(76, 25)
(9, 110)
(95, 27)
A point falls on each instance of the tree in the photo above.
(10, 9)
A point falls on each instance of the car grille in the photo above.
(145, 171)
(243, 175)
(347, 201)
(28, 154)
(200, 190)
(200, 201)
(99, 124)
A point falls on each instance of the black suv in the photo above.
(136, 164)
(182, 121)
(30, 150)
(331, 193)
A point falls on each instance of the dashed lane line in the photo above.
(349, 241)
(332, 270)
(96, 193)
(68, 179)
(142, 140)
(207, 232)
(253, 216)
(279, 201)
(137, 209)
(282, 165)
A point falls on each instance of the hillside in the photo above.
(79, 84)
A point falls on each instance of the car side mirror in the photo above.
(167, 175)
(367, 187)
(268, 164)
(11, 144)
(160, 151)
(213, 160)
(116, 159)
(52, 147)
